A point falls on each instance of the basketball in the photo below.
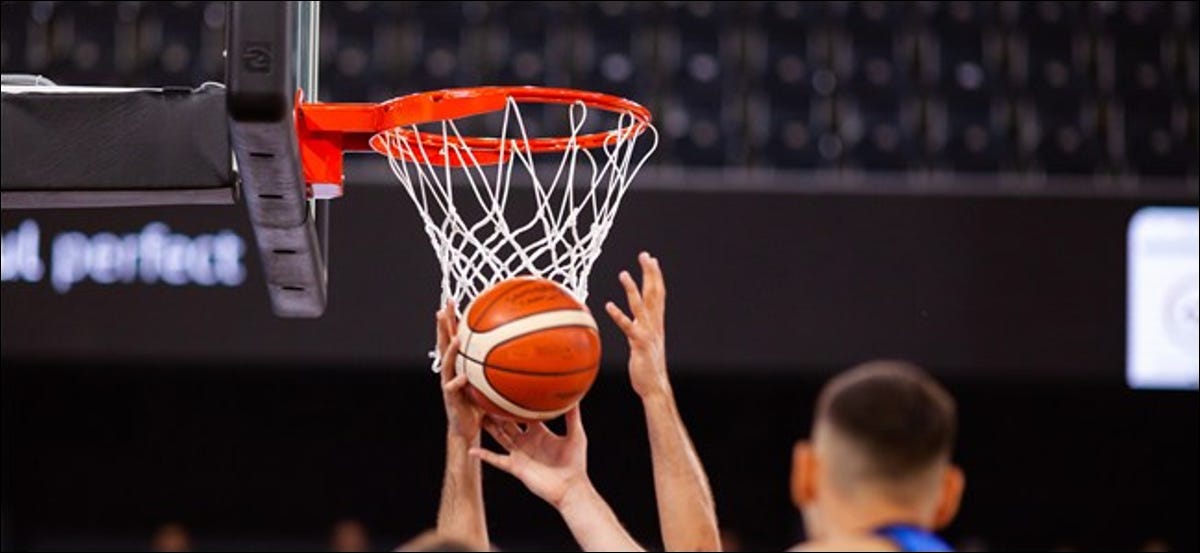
(529, 348)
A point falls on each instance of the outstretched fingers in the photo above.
(497, 432)
(619, 318)
(449, 363)
(511, 428)
(654, 289)
(455, 384)
(447, 324)
(447, 345)
(442, 336)
(646, 306)
(451, 318)
(632, 294)
(539, 430)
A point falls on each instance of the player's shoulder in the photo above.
(865, 543)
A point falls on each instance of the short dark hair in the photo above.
(899, 416)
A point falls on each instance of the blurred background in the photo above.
(947, 182)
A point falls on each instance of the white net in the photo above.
(524, 215)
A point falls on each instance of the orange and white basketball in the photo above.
(529, 348)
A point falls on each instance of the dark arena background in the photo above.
(951, 183)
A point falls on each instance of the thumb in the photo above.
(575, 421)
(455, 384)
(449, 360)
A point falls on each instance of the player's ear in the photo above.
(953, 484)
(804, 474)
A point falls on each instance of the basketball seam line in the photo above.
(525, 372)
(501, 393)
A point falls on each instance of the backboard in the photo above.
(206, 143)
(271, 52)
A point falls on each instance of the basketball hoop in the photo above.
(462, 185)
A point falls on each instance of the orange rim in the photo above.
(362, 126)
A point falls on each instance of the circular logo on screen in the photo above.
(1183, 314)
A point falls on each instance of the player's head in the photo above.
(880, 447)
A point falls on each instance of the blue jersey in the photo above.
(911, 538)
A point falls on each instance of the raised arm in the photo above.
(685, 504)
(460, 515)
(555, 469)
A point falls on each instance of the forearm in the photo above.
(593, 522)
(686, 509)
(461, 515)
